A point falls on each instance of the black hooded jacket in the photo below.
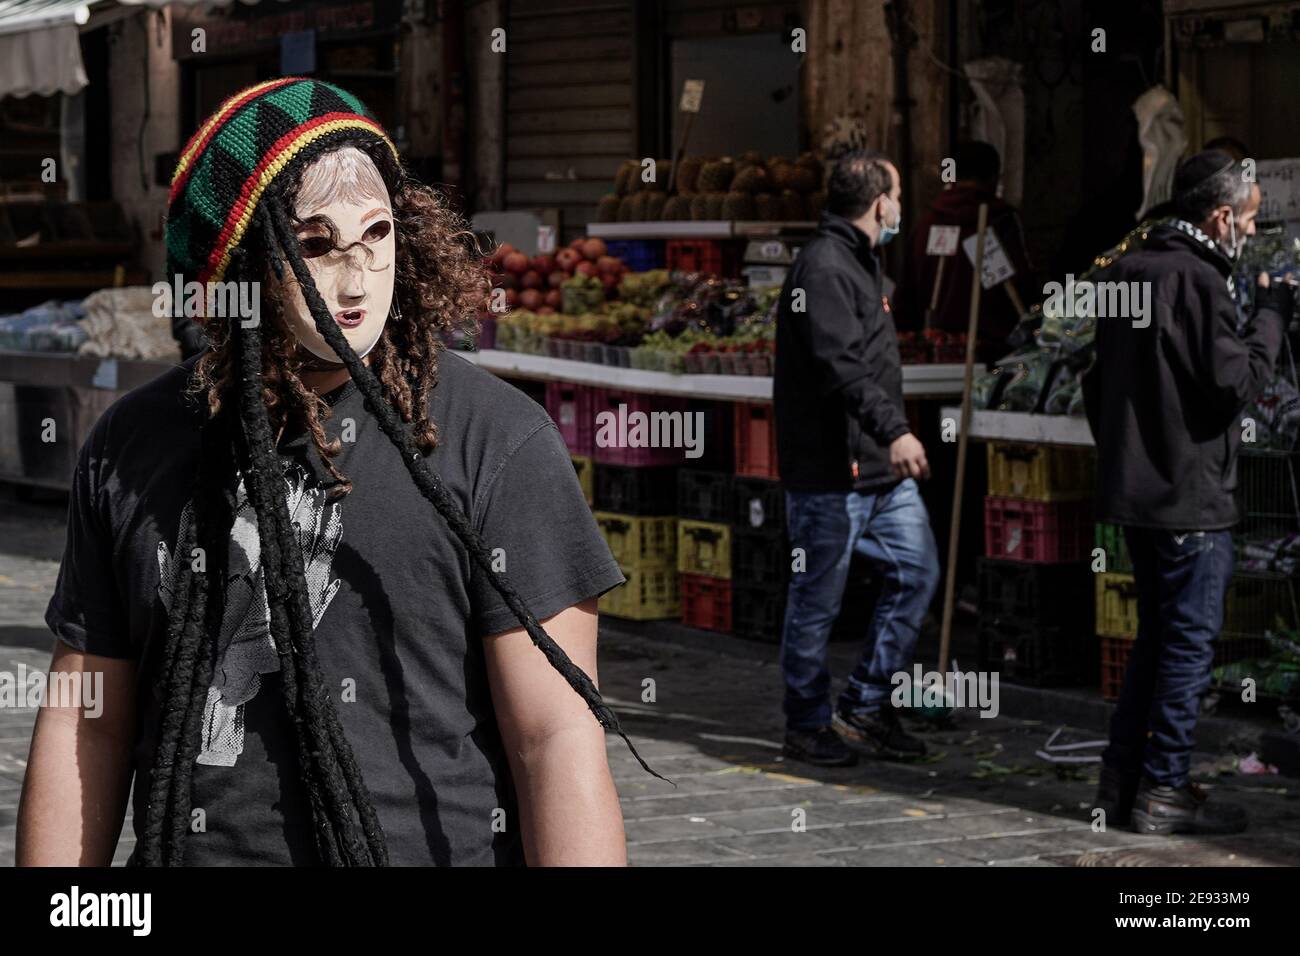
(1165, 401)
(838, 383)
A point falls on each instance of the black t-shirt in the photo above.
(400, 610)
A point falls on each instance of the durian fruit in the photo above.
(626, 178)
(750, 157)
(767, 207)
(654, 206)
(714, 204)
(677, 208)
(688, 174)
(809, 160)
(607, 208)
(737, 205)
(793, 208)
(783, 175)
(700, 206)
(716, 176)
(750, 179)
(803, 178)
(663, 170)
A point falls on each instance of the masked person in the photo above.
(1164, 398)
(849, 464)
(311, 562)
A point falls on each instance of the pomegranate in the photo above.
(556, 278)
(566, 259)
(543, 263)
(515, 262)
(530, 299)
(593, 249)
(585, 267)
(553, 298)
(531, 280)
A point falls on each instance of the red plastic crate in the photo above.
(755, 437)
(571, 407)
(706, 602)
(609, 399)
(1114, 661)
(1046, 531)
(714, 256)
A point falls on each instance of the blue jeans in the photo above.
(1182, 580)
(892, 529)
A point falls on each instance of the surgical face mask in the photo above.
(889, 232)
(1233, 249)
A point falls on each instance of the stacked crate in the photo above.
(1116, 604)
(1035, 582)
(703, 504)
(760, 558)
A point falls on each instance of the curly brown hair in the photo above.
(440, 285)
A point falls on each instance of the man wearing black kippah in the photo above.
(1164, 398)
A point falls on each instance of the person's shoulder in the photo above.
(482, 406)
(152, 408)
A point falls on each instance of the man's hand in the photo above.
(1278, 296)
(907, 457)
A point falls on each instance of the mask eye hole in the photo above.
(313, 247)
(378, 231)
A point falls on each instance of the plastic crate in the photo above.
(1040, 472)
(706, 602)
(1055, 656)
(649, 594)
(1267, 497)
(1114, 661)
(718, 444)
(755, 438)
(759, 559)
(714, 256)
(636, 491)
(638, 541)
(757, 614)
(1117, 605)
(758, 504)
(1255, 603)
(1019, 593)
(1110, 538)
(1021, 529)
(639, 255)
(704, 547)
(585, 468)
(572, 409)
(661, 425)
(703, 495)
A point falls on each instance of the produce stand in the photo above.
(70, 390)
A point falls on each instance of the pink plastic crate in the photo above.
(572, 408)
(1041, 531)
(755, 438)
(621, 452)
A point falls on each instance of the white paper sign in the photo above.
(545, 240)
(942, 240)
(692, 94)
(1279, 188)
(997, 267)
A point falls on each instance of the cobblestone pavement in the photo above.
(714, 729)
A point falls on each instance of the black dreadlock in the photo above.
(347, 828)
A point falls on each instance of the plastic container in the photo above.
(758, 504)
(759, 559)
(1117, 606)
(1114, 661)
(640, 255)
(757, 614)
(1040, 472)
(714, 256)
(649, 594)
(572, 408)
(706, 602)
(704, 547)
(585, 468)
(703, 495)
(1054, 656)
(755, 441)
(1110, 538)
(636, 491)
(637, 541)
(1026, 530)
(1024, 594)
(717, 446)
(659, 441)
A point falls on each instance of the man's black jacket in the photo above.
(1165, 401)
(838, 387)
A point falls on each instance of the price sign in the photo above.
(692, 95)
(997, 267)
(942, 240)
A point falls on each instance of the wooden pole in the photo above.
(934, 293)
(963, 437)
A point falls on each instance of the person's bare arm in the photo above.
(79, 769)
(567, 801)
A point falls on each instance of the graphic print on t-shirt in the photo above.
(245, 649)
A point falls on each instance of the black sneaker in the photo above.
(1185, 809)
(821, 747)
(1115, 794)
(876, 732)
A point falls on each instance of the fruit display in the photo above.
(538, 284)
(745, 187)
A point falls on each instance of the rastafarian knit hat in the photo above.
(249, 142)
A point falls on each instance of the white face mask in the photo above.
(356, 283)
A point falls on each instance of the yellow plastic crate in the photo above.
(649, 594)
(582, 464)
(1117, 606)
(1040, 472)
(639, 541)
(704, 547)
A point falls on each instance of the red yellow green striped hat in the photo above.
(253, 138)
